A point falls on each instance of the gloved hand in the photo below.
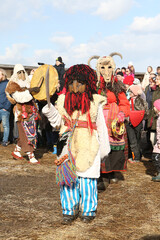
(121, 117)
(34, 89)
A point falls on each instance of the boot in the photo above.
(100, 185)
(68, 219)
(157, 178)
(112, 178)
(16, 153)
(32, 158)
(87, 219)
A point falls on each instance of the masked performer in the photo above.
(115, 112)
(25, 110)
(79, 115)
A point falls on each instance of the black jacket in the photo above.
(61, 71)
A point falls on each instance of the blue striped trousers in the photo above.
(80, 197)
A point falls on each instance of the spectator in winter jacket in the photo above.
(60, 67)
(120, 76)
(134, 132)
(149, 94)
(145, 80)
(128, 81)
(156, 150)
(5, 107)
(152, 117)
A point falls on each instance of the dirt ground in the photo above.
(30, 205)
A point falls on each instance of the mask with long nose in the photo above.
(21, 75)
(105, 68)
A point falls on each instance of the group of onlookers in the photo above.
(143, 96)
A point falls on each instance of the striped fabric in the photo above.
(80, 197)
(80, 123)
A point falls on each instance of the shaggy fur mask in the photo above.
(80, 101)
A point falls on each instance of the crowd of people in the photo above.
(145, 95)
(93, 127)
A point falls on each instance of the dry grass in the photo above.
(30, 205)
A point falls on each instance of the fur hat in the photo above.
(136, 89)
(128, 80)
(157, 104)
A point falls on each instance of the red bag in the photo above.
(136, 116)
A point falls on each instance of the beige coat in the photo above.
(84, 146)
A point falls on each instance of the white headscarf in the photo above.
(14, 77)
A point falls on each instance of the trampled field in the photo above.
(30, 205)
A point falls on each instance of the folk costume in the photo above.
(115, 112)
(25, 110)
(79, 115)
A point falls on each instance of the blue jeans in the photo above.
(4, 117)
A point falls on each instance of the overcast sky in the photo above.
(35, 31)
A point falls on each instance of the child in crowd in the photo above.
(156, 150)
(128, 81)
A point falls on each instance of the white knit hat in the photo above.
(130, 64)
(136, 89)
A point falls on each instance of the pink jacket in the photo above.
(132, 74)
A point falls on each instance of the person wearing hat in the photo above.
(131, 68)
(120, 76)
(60, 67)
(79, 115)
(117, 107)
(128, 81)
(145, 81)
(18, 92)
(134, 132)
(156, 149)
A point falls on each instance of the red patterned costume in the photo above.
(117, 105)
(115, 112)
